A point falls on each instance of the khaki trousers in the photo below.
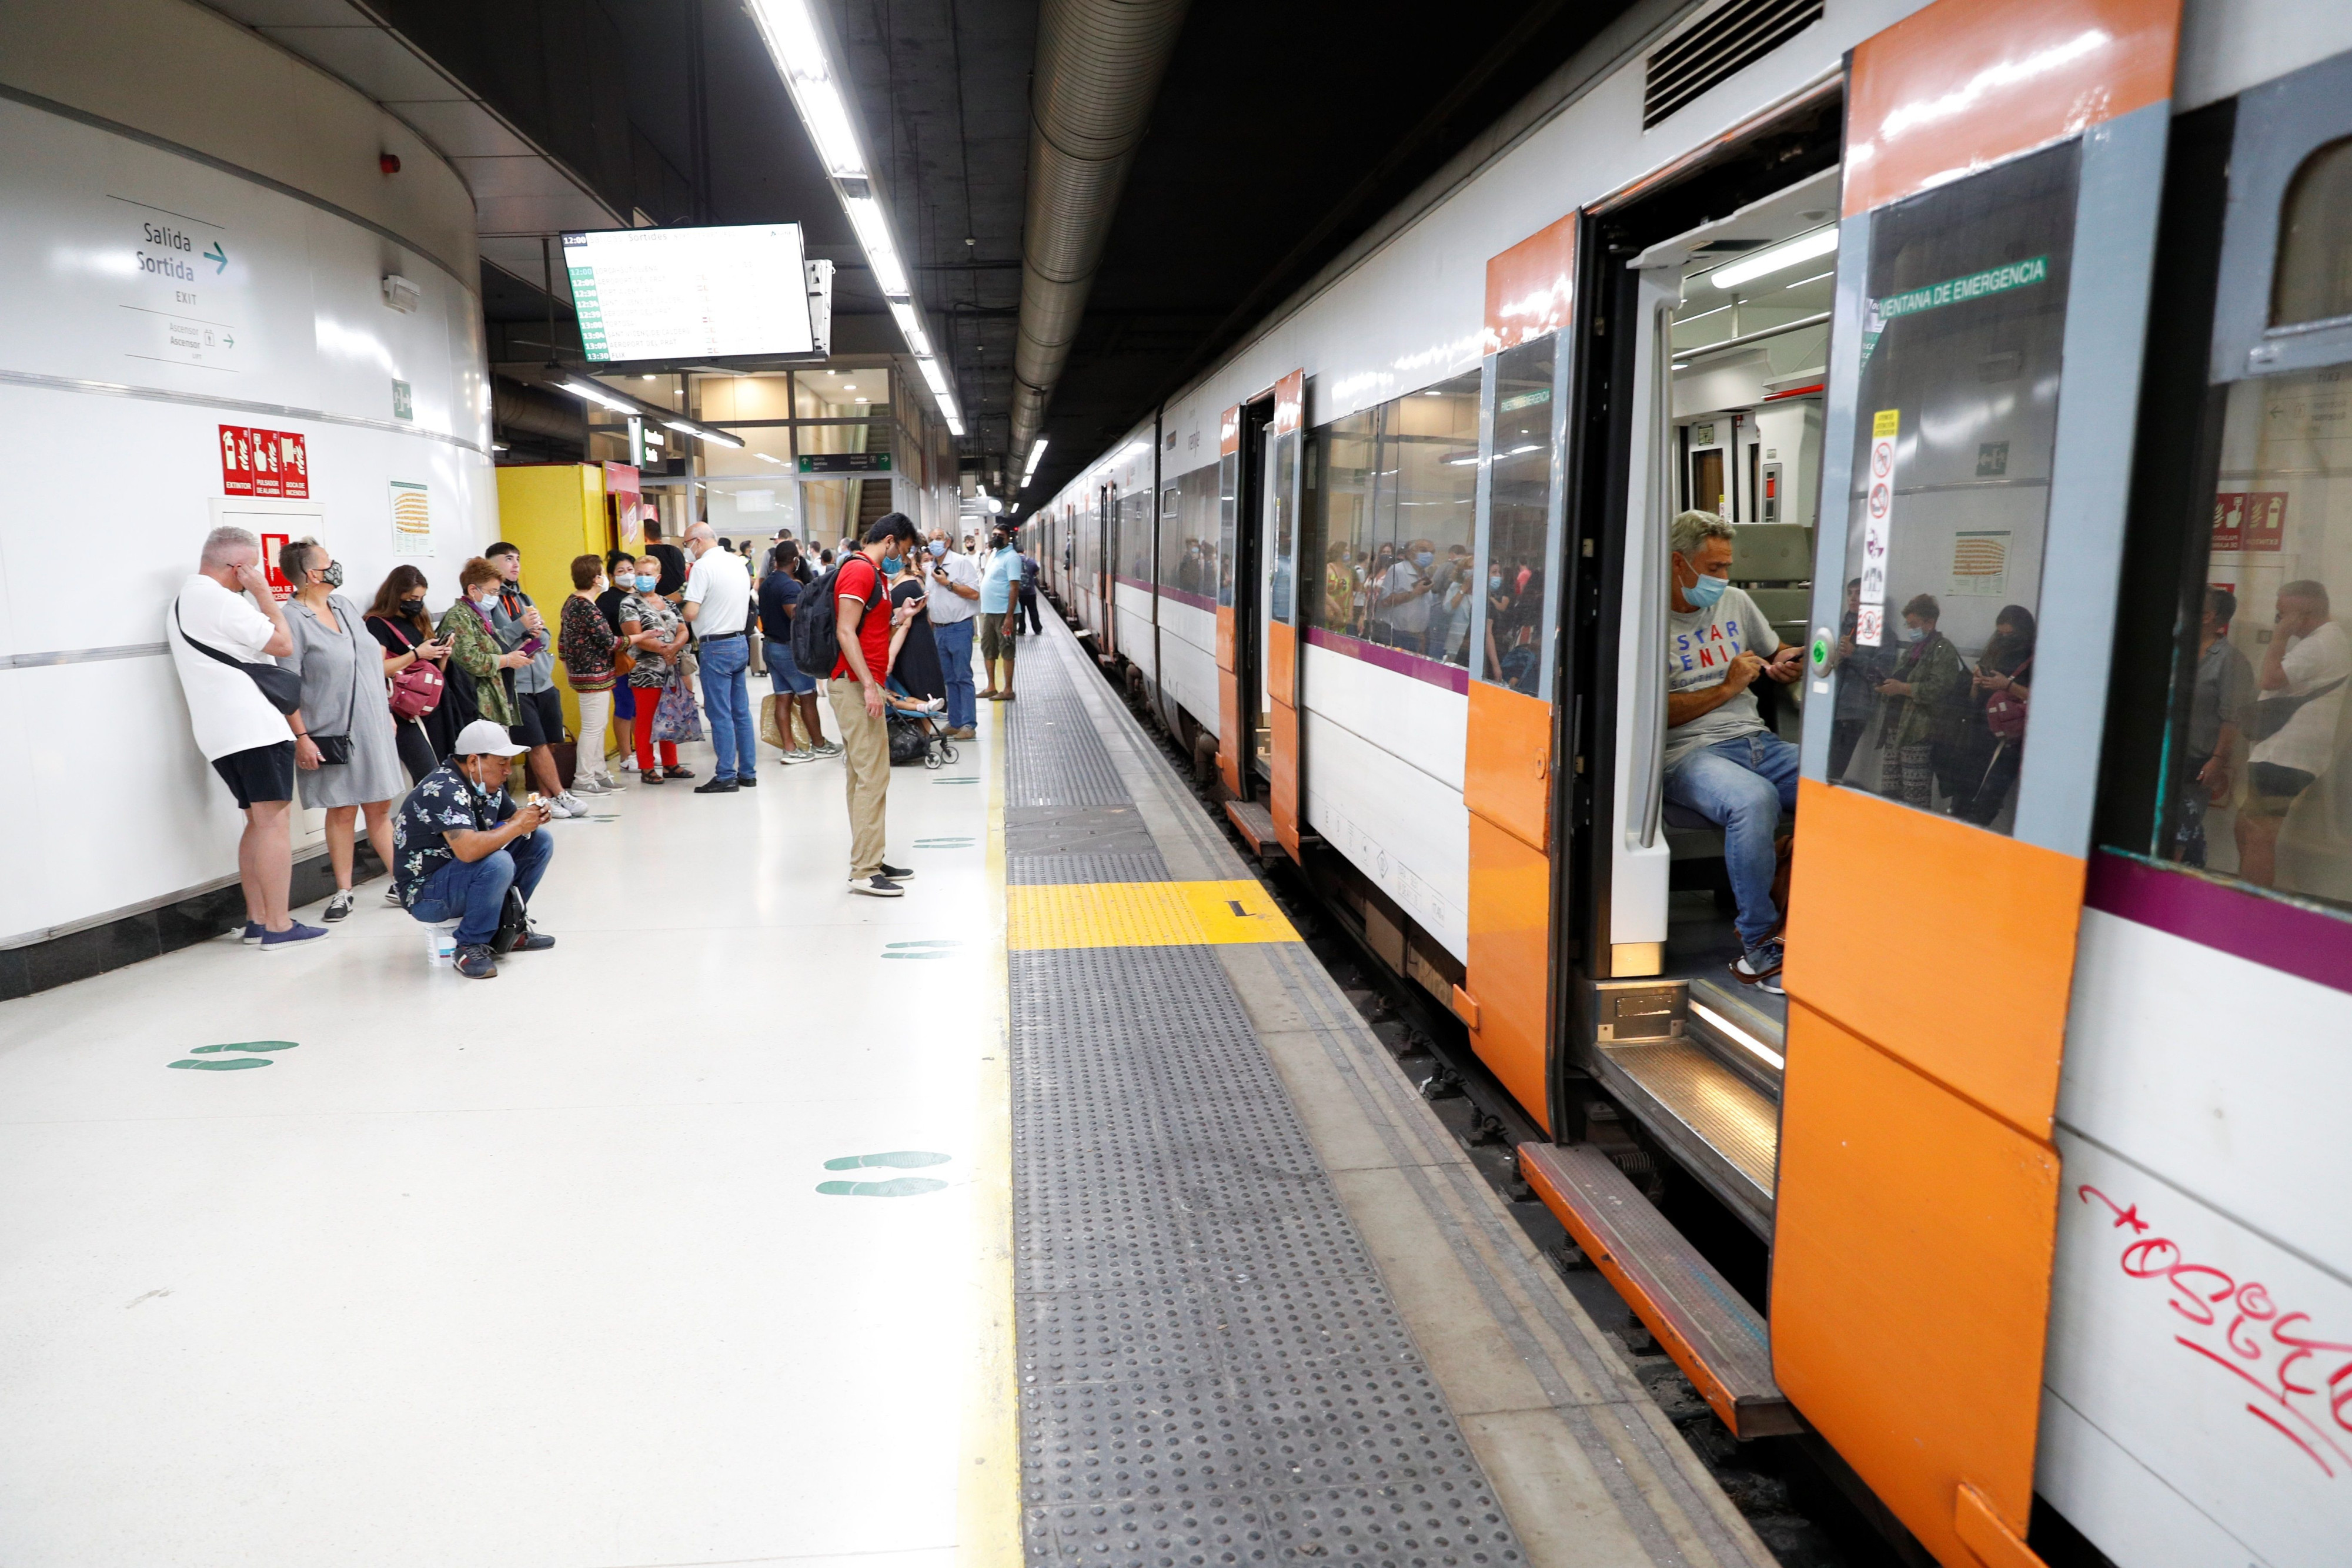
(865, 765)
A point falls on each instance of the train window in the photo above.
(1964, 324)
(1513, 629)
(1135, 538)
(1396, 528)
(1229, 483)
(2315, 248)
(1281, 477)
(1188, 536)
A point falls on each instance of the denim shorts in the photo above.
(785, 676)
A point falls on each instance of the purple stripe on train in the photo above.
(1436, 672)
(2245, 923)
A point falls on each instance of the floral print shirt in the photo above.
(651, 612)
(442, 800)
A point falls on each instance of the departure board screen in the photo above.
(691, 293)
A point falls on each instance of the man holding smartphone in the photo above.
(953, 580)
(460, 842)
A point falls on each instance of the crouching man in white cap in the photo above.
(461, 842)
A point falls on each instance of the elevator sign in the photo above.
(1877, 528)
(264, 463)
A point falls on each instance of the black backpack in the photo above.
(817, 645)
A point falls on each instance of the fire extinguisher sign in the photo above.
(264, 463)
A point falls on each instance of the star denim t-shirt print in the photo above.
(1700, 646)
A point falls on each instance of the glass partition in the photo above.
(1513, 617)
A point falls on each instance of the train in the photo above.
(2005, 350)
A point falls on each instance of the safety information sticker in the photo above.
(1877, 529)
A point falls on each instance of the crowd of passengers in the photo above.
(416, 725)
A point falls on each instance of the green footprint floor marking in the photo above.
(899, 1159)
(943, 844)
(936, 949)
(232, 1063)
(897, 1187)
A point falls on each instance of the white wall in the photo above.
(116, 427)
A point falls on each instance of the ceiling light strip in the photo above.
(819, 95)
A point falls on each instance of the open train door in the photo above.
(1285, 473)
(1506, 770)
(2003, 165)
(1233, 742)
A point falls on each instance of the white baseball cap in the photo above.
(486, 737)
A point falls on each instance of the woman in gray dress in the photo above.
(343, 700)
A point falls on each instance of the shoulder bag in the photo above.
(2270, 714)
(2004, 710)
(335, 750)
(282, 686)
(417, 690)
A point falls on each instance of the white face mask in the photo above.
(485, 599)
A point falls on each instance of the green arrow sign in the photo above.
(218, 257)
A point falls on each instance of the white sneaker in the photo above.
(609, 785)
(799, 754)
(585, 785)
(392, 897)
(828, 748)
(572, 803)
(556, 809)
(628, 764)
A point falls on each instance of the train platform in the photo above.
(1063, 1211)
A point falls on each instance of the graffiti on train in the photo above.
(2304, 1381)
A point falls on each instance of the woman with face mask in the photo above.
(656, 634)
(399, 623)
(584, 642)
(486, 689)
(346, 757)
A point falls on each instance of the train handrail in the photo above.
(1649, 667)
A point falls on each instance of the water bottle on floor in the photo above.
(441, 944)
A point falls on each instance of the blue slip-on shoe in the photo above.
(293, 935)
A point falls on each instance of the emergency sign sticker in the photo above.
(1877, 528)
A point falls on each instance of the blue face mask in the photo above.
(1706, 590)
(890, 565)
(646, 584)
(939, 548)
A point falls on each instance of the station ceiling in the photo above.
(1281, 132)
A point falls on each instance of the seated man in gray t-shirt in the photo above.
(1721, 761)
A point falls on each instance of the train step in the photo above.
(1256, 824)
(1722, 1128)
(1712, 1334)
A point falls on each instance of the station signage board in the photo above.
(264, 463)
(844, 463)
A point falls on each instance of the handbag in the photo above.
(417, 690)
(2005, 710)
(513, 922)
(676, 716)
(280, 687)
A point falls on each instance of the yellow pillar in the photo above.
(553, 512)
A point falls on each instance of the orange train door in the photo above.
(1506, 781)
(2003, 164)
(1285, 474)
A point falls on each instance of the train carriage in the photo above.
(2012, 340)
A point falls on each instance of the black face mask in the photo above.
(412, 606)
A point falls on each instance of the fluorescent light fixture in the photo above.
(703, 432)
(1814, 278)
(881, 254)
(797, 44)
(765, 458)
(1681, 365)
(680, 425)
(1772, 258)
(1036, 451)
(596, 394)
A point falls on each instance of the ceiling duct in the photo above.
(1717, 47)
(1098, 67)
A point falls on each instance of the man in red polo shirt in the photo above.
(862, 626)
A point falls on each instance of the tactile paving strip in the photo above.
(1054, 757)
(1213, 1373)
(1062, 869)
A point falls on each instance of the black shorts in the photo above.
(258, 775)
(540, 717)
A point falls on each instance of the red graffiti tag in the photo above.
(2236, 1326)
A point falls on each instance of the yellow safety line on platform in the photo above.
(988, 1500)
(1142, 915)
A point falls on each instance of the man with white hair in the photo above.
(719, 605)
(216, 635)
(1721, 761)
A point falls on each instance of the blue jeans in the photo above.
(728, 700)
(1744, 785)
(954, 640)
(471, 892)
